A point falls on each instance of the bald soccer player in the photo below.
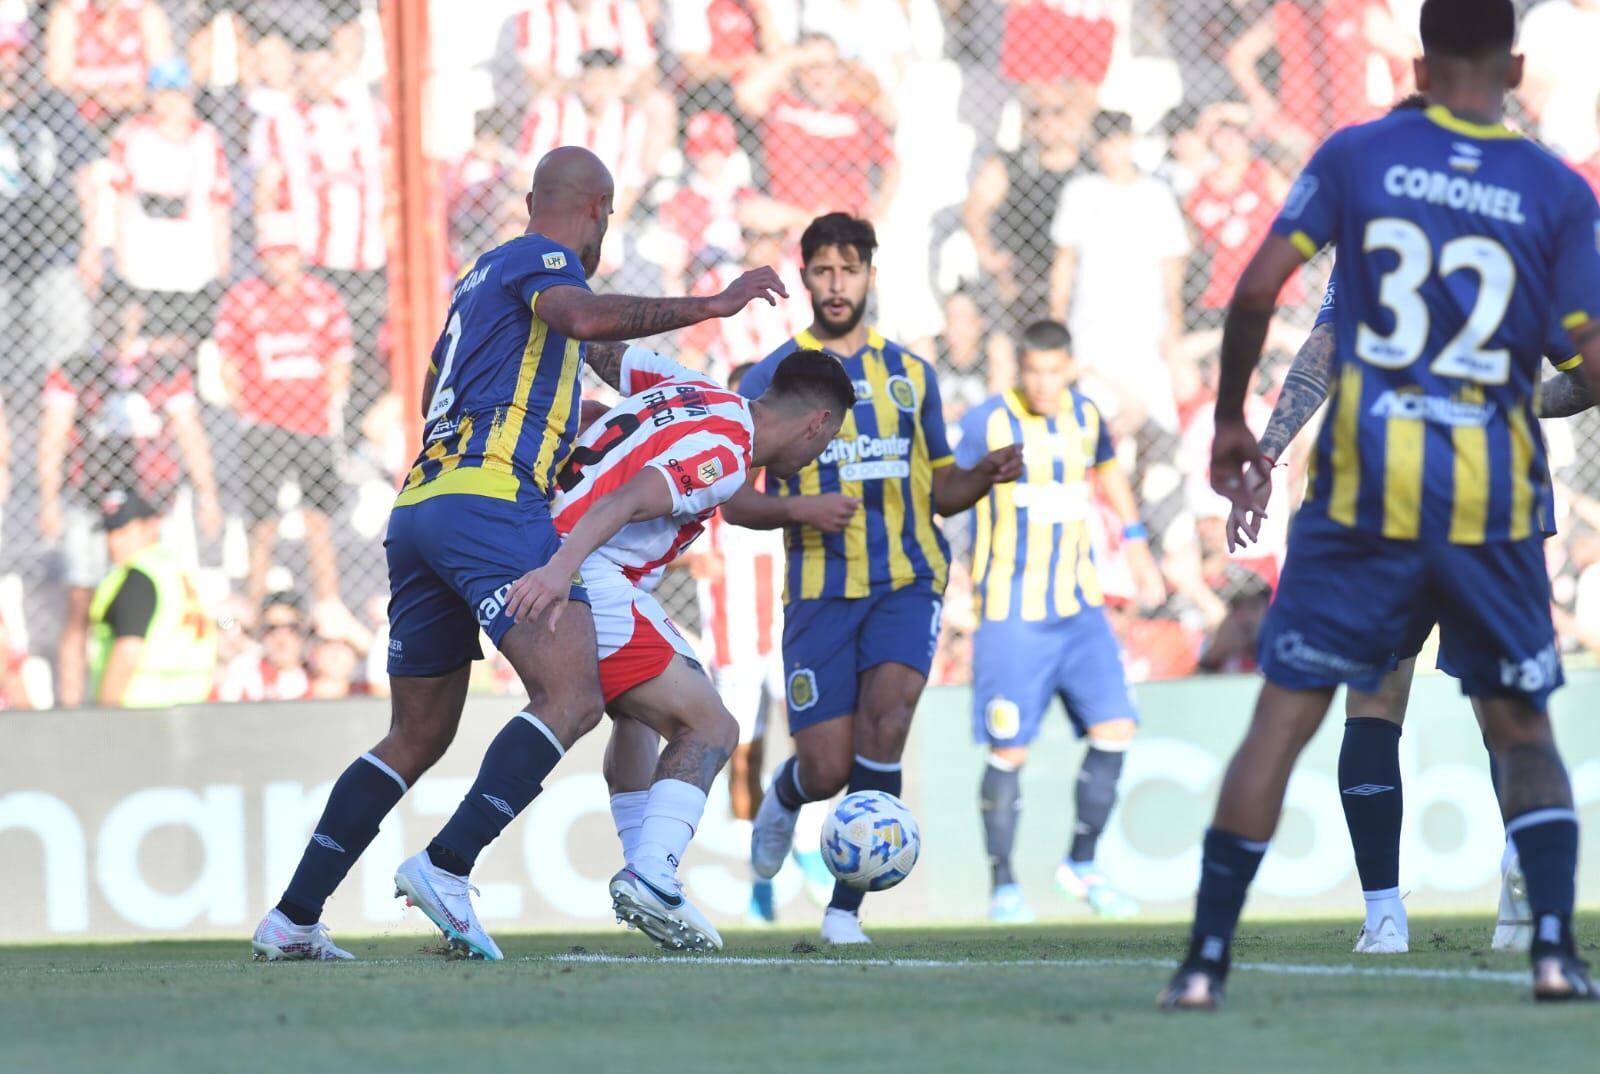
(501, 412)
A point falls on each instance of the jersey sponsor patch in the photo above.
(709, 471)
(555, 259)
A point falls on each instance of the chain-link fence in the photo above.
(197, 216)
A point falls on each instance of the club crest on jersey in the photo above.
(903, 392)
(555, 260)
(1300, 195)
(802, 689)
(709, 471)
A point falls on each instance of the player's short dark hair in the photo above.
(838, 229)
(1046, 336)
(1468, 29)
(815, 377)
(736, 374)
(1411, 102)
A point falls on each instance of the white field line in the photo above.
(686, 961)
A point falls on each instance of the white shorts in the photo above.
(637, 640)
(747, 689)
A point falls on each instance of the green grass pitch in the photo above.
(1056, 998)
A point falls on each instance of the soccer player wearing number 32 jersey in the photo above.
(1457, 241)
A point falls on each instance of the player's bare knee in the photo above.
(724, 732)
(1113, 736)
(1012, 757)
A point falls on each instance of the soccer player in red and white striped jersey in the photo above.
(638, 489)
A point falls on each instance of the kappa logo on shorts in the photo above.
(1539, 672)
(489, 608)
(1002, 719)
(903, 392)
(802, 689)
(555, 260)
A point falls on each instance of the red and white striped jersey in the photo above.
(617, 133)
(552, 34)
(755, 333)
(697, 433)
(742, 606)
(332, 160)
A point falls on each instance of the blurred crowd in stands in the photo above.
(195, 221)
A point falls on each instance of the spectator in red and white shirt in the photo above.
(539, 49)
(720, 41)
(1232, 207)
(766, 233)
(285, 343)
(278, 671)
(172, 239)
(826, 149)
(704, 212)
(1052, 42)
(101, 52)
(478, 188)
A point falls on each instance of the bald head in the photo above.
(570, 201)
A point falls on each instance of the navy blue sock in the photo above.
(512, 774)
(1096, 795)
(786, 785)
(1228, 866)
(1000, 797)
(865, 775)
(1369, 788)
(361, 797)
(1547, 846)
(1494, 771)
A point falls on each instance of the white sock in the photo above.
(1508, 858)
(627, 812)
(671, 815)
(1382, 904)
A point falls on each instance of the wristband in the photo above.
(1136, 531)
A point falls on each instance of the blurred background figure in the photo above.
(277, 670)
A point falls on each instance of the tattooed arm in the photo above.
(1565, 394)
(580, 314)
(1304, 388)
(606, 361)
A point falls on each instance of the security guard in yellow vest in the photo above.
(151, 643)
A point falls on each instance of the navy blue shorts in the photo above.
(1017, 667)
(452, 560)
(1350, 602)
(829, 642)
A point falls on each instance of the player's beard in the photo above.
(838, 328)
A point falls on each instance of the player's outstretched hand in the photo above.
(1233, 452)
(539, 590)
(1002, 464)
(830, 512)
(760, 283)
(1244, 524)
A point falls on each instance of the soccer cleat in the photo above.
(761, 910)
(841, 927)
(1193, 988)
(814, 871)
(1562, 977)
(667, 917)
(1513, 927)
(1387, 939)
(446, 899)
(278, 939)
(1008, 907)
(771, 836)
(1092, 888)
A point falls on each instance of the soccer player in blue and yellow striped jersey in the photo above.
(867, 563)
(1042, 630)
(501, 410)
(1457, 241)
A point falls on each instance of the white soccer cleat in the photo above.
(278, 939)
(1387, 939)
(446, 899)
(667, 917)
(841, 927)
(771, 836)
(1513, 927)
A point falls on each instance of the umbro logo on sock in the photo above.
(327, 841)
(1366, 790)
(501, 804)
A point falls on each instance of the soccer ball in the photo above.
(870, 841)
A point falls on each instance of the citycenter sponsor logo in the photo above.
(869, 458)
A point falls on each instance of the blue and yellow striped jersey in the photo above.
(504, 409)
(885, 456)
(1459, 243)
(1032, 558)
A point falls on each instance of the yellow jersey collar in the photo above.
(1447, 119)
(807, 341)
(1019, 406)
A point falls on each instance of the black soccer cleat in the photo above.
(1195, 987)
(1562, 977)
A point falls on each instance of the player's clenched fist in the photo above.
(760, 283)
(1233, 450)
(1002, 464)
(548, 587)
(830, 513)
